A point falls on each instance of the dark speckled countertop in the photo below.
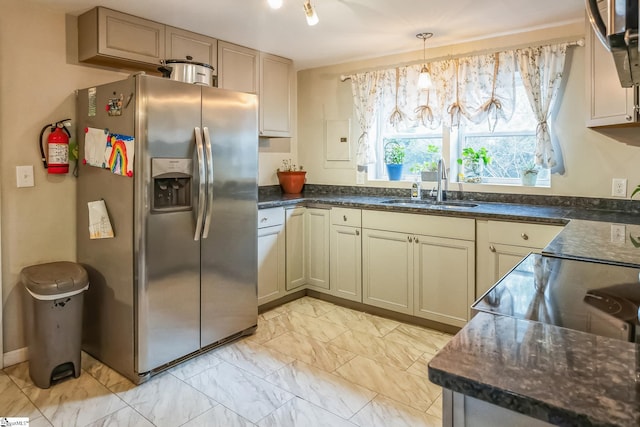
(559, 375)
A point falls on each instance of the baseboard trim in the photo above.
(16, 356)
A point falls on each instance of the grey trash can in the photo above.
(54, 319)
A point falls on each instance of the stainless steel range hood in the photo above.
(615, 22)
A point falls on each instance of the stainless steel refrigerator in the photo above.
(180, 274)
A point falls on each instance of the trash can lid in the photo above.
(54, 278)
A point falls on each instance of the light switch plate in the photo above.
(24, 176)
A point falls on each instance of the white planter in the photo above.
(529, 179)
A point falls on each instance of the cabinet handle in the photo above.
(524, 236)
(357, 232)
(628, 118)
(415, 239)
(344, 217)
(409, 239)
(492, 248)
(263, 219)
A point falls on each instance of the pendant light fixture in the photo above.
(424, 80)
(275, 4)
(310, 11)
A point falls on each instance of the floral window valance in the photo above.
(468, 89)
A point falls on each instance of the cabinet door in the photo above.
(275, 95)
(180, 44)
(271, 263)
(609, 102)
(387, 270)
(317, 248)
(105, 35)
(346, 262)
(238, 68)
(505, 257)
(444, 279)
(295, 247)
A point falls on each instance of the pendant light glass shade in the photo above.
(310, 11)
(424, 80)
(275, 4)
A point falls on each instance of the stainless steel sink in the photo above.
(449, 204)
(456, 204)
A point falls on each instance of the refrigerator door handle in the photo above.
(202, 182)
(209, 157)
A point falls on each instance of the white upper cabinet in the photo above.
(238, 67)
(181, 44)
(609, 104)
(275, 95)
(108, 37)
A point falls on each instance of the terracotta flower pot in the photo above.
(292, 181)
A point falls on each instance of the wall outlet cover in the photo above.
(619, 187)
(618, 233)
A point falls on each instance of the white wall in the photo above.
(591, 159)
(37, 87)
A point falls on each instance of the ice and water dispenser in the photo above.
(171, 184)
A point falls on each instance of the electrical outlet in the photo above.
(618, 232)
(619, 187)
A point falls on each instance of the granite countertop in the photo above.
(558, 375)
(611, 242)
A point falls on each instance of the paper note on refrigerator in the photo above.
(119, 154)
(95, 143)
(99, 223)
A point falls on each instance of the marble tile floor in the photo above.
(310, 363)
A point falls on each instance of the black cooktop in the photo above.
(602, 299)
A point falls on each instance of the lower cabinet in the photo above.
(296, 246)
(317, 248)
(387, 270)
(444, 284)
(502, 244)
(307, 237)
(271, 255)
(345, 254)
(459, 410)
(430, 274)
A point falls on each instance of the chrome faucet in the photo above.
(441, 193)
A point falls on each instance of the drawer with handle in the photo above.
(346, 216)
(270, 217)
(522, 234)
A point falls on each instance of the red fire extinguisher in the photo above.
(57, 159)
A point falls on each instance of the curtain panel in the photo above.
(469, 89)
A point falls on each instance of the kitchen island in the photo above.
(548, 373)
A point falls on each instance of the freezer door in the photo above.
(229, 252)
(168, 273)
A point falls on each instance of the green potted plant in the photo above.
(291, 177)
(472, 162)
(429, 168)
(529, 174)
(394, 154)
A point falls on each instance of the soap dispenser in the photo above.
(415, 189)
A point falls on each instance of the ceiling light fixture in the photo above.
(310, 11)
(424, 81)
(275, 4)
